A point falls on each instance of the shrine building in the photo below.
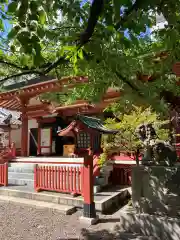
(40, 121)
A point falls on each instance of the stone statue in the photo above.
(155, 151)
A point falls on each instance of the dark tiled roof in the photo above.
(96, 124)
(24, 83)
(90, 122)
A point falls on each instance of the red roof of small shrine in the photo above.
(90, 122)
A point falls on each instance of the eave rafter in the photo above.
(28, 92)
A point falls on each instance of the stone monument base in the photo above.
(156, 190)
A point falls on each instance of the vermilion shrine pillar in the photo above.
(24, 132)
(89, 211)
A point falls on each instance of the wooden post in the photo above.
(9, 135)
(89, 205)
(39, 139)
(13, 150)
(24, 132)
(5, 174)
(35, 177)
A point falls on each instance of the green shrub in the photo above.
(126, 139)
(103, 158)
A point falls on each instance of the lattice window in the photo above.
(83, 140)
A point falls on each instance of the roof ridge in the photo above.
(88, 117)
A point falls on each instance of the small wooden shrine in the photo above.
(86, 134)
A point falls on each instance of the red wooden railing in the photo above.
(4, 174)
(66, 179)
(121, 174)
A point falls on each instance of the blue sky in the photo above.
(7, 26)
(142, 34)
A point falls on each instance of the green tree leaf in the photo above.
(13, 32)
(24, 60)
(13, 48)
(80, 54)
(1, 25)
(42, 16)
(12, 6)
(110, 59)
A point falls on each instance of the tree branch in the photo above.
(95, 11)
(12, 65)
(64, 27)
(131, 85)
(134, 7)
(61, 60)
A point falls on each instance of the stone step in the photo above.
(19, 178)
(116, 236)
(27, 192)
(21, 167)
(20, 170)
(15, 175)
(21, 182)
(104, 201)
(133, 236)
(63, 209)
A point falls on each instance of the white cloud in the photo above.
(160, 24)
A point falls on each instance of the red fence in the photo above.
(66, 179)
(121, 174)
(4, 174)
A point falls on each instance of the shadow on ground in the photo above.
(150, 229)
(117, 234)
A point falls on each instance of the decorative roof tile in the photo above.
(14, 120)
(96, 124)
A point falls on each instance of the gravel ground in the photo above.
(29, 223)
(20, 222)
